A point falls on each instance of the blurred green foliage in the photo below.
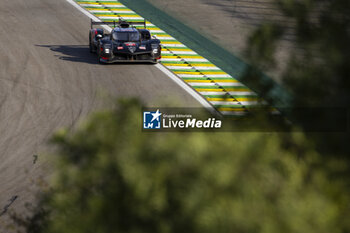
(317, 67)
(111, 177)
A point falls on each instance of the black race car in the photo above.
(125, 43)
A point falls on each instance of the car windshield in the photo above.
(126, 36)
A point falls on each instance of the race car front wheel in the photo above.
(99, 59)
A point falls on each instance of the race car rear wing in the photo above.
(120, 23)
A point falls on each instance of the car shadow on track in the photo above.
(78, 53)
(73, 53)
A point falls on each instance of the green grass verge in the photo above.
(225, 60)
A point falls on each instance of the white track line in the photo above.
(112, 11)
(215, 84)
(102, 5)
(245, 103)
(167, 43)
(126, 18)
(162, 68)
(205, 76)
(179, 52)
(156, 31)
(192, 68)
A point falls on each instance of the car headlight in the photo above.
(107, 50)
(155, 50)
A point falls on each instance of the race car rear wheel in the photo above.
(90, 46)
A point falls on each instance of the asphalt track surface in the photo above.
(49, 80)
